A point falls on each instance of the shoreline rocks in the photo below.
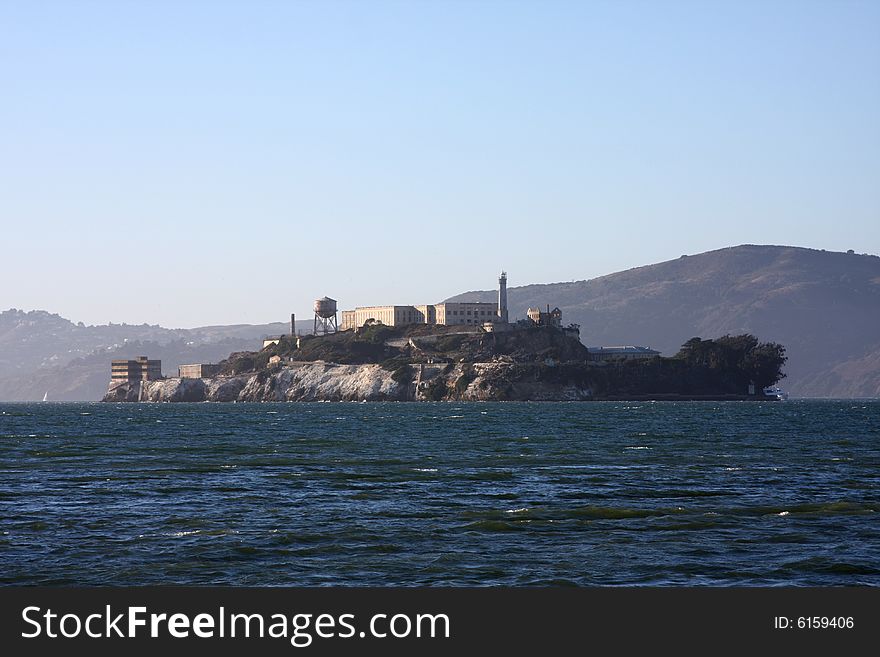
(323, 381)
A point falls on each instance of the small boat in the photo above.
(776, 392)
(46, 396)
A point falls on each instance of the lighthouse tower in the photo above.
(502, 297)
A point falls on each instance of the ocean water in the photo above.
(447, 494)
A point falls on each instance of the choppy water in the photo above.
(441, 493)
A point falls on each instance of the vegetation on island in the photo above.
(728, 365)
(738, 360)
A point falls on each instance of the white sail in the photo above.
(46, 396)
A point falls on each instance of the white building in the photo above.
(449, 313)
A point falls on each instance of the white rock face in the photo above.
(178, 390)
(323, 381)
(306, 382)
(225, 390)
(320, 381)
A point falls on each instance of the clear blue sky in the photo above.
(243, 158)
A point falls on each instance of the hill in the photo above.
(42, 352)
(823, 306)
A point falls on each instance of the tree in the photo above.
(735, 360)
(764, 363)
(693, 351)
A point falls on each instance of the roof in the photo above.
(626, 349)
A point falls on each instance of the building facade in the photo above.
(550, 318)
(142, 369)
(445, 314)
(198, 371)
(628, 352)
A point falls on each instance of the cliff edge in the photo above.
(366, 382)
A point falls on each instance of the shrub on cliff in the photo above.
(436, 390)
(403, 375)
(376, 333)
(449, 342)
(467, 377)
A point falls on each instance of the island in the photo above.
(417, 362)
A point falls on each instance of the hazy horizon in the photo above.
(195, 164)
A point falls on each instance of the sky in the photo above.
(192, 163)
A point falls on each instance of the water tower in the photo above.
(325, 316)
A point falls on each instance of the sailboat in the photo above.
(46, 396)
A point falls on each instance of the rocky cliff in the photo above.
(490, 381)
(335, 382)
(445, 363)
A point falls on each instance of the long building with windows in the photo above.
(440, 313)
(446, 314)
(627, 352)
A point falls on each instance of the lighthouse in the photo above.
(502, 297)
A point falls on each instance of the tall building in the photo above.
(141, 369)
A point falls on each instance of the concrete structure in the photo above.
(497, 327)
(502, 297)
(142, 369)
(325, 316)
(445, 314)
(276, 339)
(198, 371)
(550, 318)
(572, 331)
(628, 352)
